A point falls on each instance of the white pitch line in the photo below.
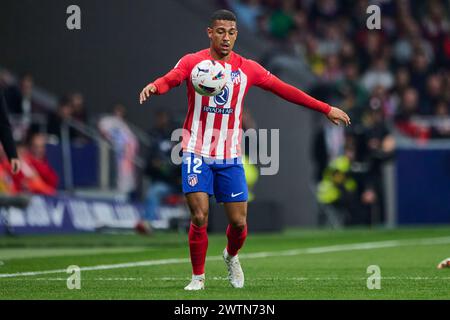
(314, 250)
(247, 279)
(94, 279)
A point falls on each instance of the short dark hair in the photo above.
(222, 15)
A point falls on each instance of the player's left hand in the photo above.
(15, 165)
(335, 115)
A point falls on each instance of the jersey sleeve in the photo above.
(175, 76)
(260, 76)
(267, 81)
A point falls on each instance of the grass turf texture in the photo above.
(408, 271)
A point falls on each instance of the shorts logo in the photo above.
(192, 180)
(236, 77)
(222, 98)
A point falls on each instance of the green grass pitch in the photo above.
(297, 264)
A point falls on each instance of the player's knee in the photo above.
(239, 224)
(199, 216)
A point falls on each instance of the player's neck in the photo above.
(217, 56)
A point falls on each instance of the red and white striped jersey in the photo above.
(213, 125)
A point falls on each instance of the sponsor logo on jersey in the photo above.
(217, 110)
(222, 98)
(192, 180)
(236, 77)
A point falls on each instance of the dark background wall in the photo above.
(122, 46)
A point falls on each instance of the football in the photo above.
(208, 78)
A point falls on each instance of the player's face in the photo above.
(223, 34)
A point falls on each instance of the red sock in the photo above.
(198, 244)
(236, 238)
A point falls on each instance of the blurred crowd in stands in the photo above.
(29, 125)
(36, 176)
(393, 82)
(36, 125)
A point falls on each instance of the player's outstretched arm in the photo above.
(335, 115)
(268, 81)
(171, 80)
(297, 96)
(147, 92)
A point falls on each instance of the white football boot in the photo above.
(235, 273)
(197, 283)
(444, 264)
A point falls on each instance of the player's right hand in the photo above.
(147, 92)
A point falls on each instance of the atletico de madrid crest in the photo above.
(192, 180)
(236, 77)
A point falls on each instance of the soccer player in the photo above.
(213, 135)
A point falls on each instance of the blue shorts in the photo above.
(225, 179)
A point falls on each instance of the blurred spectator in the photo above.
(56, 119)
(21, 104)
(281, 21)
(315, 60)
(411, 41)
(379, 145)
(382, 101)
(441, 127)
(165, 176)
(6, 79)
(337, 191)
(433, 93)
(19, 97)
(402, 82)
(370, 48)
(419, 74)
(378, 75)
(435, 23)
(348, 54)
(79, 112)
(248, 12)
(328, 144)
(7, 183)
(115, 128)
(408, 108)
(37, 158)
(333, 71)
(331, 43)
(37, 176)
(408, 105)
(79, 116)
(355, 96)
(324, 11)
(441, 109)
